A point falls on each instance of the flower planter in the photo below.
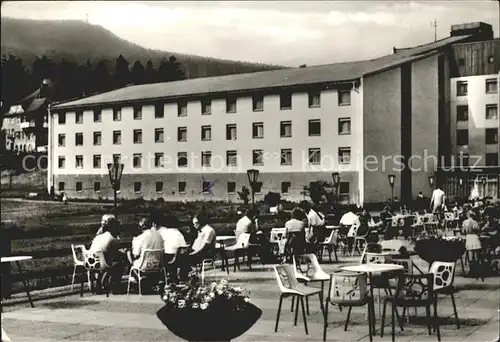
(213, 324)
(433, 249)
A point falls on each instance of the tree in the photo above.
(244, 195)
(318, 190)
(101, 78)
(149, 73)
(272, 199)
(138, 73)
(85, 78)
(122, 73)
(170, 70)
(15, 82)
(68, 84)
(43, 68)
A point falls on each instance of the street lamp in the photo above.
(115, 171)
(392, 178)
(483, 182)
(253, 175)
(431, 181)
(336, 183)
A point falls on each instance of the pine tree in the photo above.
(170, 70)
(150, 73)
(122, 73)
(138, 75)
(101, 78)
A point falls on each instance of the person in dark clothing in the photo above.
(421, 203)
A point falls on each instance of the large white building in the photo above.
(364, 119)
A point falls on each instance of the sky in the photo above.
(275, 32)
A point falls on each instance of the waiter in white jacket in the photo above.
(438, 201)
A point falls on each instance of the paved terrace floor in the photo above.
(133, 318)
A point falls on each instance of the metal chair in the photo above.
(241, 246)
(444, 275)
(349, 289)
(77, 261)
(412, 291)
(290, 287)
(96, 265)
(150, 262)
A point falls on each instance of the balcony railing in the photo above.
(27, 124)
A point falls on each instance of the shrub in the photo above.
(244, 195)
(272, 199)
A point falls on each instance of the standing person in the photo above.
(472, 231)
(438, 201)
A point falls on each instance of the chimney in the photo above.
(480, 30)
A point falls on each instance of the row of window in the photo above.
(258, 158)
(491, 159)
(206, 132)
(344, 99)
(491, 112)
(205, 186)
(491, 87)
(491, 136)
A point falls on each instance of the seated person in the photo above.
(104, 220)
(173, 240)
(295, 231)
(108, 244)
(204, 245)
(246, 224)
(315, 231)
(148, 239)
(351, 222)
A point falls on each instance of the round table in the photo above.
(16, 260)
(373, 268)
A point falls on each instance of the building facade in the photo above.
(195, 139)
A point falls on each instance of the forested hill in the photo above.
(77, 42)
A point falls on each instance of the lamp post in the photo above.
(431, 181)
(336, 183)
(115, 171)
(461, 185)
(483, 182)
(253, 176)
(392, 178)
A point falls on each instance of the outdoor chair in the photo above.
(444, 276)
(307, 269)
(150, 262)
(171, 259)
(241, 247)
(418, 226)
(290, 287)
(450, 221)
(349, 289)
(96, 266)
(278, 240)
(412, 291)
(431, 224)
(358, 239)
(329, 244)
(370, 248)
(77, 261)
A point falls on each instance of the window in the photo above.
(344, 126)
(97, 115)
(286, 101)
(137, 136)
(137, 160)
(344, 190)
(206, 158)
(79, 186)
(231, 132)
(137, 186)
(344, 155)
(182, 134)
(491, 112)
(61, 118)
(97, 161)
(315, 156)
(117, 158)
(159, 159)
(206, 107)
(285, 187)
(97, 138)
(159, 111)
(344, 97)
(97, 186)
(206, 133)
(79, 161)
(491, 86)
(137, 112)
(182, 160)
(257, 157)
(314, 99)
(491, 136)
(491, 159)
(61, 162)
(231, 105)
(314, 128)
(79, 117)
(462, 88)
(231, 187)
(117, 114)
(78, 139)
(159, 186)
(286, 129)
(463, 160)
(182, 108)
(286, 156)
(258, 103)
(258, 130)
(61, 186)
(117, 137)
(181, 187)
(462, 137)
(231, 158)
(258, 187)
(159, 135)
(61, 140)
(462, 113)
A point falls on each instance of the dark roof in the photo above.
(30, 105)
(329, 73)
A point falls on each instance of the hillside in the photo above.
(78, 41)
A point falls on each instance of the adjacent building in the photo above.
(195, 139)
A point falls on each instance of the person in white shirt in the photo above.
(175, 246)
(149, 239)
(315, 230)
(246, 224)
(104, 221)
(438, 201)
(350, 222)
(204, 245)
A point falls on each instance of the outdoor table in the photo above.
(222, 241)
(16, 260)
(332, 227)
